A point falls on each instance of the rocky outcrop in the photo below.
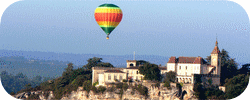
(154, 93)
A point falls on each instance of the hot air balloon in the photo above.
(108, 16)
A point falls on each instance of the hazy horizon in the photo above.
(163, 28)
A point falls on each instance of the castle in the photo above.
(186, 69)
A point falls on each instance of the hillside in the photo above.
(52, 64)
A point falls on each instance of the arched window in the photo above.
(131, 65)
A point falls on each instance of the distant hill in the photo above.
(52, 64)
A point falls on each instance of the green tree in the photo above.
(101, 89)
(199, 91)
(141, 62)
(92, 62)
(150, 71)
(66, 76)
(102, 64)
(244, 69)
(37, 78)
(27, 86)
(236, 85)
(87, 86)
(170, 76)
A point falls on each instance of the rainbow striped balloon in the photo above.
(108, 16)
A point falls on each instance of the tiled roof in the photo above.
(172, 59)
(194, 60)
(114, 71)
(163, 68)
(137, 67)
(216, 50)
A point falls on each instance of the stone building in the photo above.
(186, 68)
(105, 75)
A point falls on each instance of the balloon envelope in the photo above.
(108, 16)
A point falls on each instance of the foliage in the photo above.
(27, 86)
(141, 62)
(157, 84)
(101, 89)
(87, 86)
(102, 64)
(170, 76)
(199, 91)
(111, 89)
(236, 85)
(141, 89)
(96, 83)
(167, 84)
(15, 83)
(150, 71)
(210, 81)
(33, 97)
(124, 80)
(125, 86)
(214, 93)
(70, 80)
(244, 69)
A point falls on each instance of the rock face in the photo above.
(41, 95)
(154, 93)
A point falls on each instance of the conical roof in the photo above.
(216, 49)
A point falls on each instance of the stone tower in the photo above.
(131, 63)
(216, 59)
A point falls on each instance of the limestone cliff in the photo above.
(154, 93)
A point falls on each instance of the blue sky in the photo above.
(166, 28)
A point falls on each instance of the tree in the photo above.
(69, 68)
(27, 86)
(67, 76)
(141, 62)
(236, 85)
(92, 62)
(37, 78)
(244, 69)
(87, 86)
(101, 89)
(170, 76)
(199, 91)
(102, 64)
(150, 71)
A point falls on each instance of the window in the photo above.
(186, 67)
(131, 65)
(137, 72)
(115, 77)
(136, 77)
(179, 67)
(121, 77)
(109, 77)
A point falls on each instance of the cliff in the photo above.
(161, 93)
